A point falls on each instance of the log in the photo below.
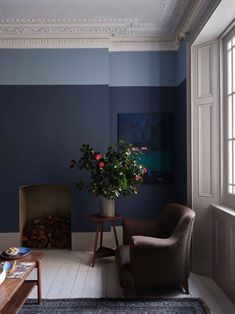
(47, 232)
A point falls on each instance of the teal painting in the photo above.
(153, 134)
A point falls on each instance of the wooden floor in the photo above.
(67, 274)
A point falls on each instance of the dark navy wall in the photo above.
(181, 124)
(43, 127)
(151, 198)
(181, 147)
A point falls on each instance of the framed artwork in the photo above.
(153, 134)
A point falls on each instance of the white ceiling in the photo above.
(146, 11)
(101, 21)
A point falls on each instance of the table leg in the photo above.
(101, 234)
(39, 281)
(96, 241)
(115, 234)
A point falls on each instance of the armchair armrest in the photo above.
(155, 260)
(133, 227)
(150, 243)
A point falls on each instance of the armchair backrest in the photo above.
(177, 221)
(171, 219)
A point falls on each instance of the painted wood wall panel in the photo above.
(205, 147)
(220, 243)
(232, 248)
(224, 250)
(205, 71)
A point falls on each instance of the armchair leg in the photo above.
(185, 286)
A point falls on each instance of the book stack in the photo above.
(19, 270)
(11, 270)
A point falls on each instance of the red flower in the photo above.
(101, 164)
(145, 170)
(98, 156)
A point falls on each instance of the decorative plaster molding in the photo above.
(164, 32)
(53, 43)
(43, 30)
(113, 33)
(128, 30)
(158, 8)
(175, 13)
(205, 11)
(97, 20)
(143, 46)
(194, 19)
(27, 43)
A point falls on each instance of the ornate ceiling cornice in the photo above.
(87, 43)
(164, 33)
(112, 27)
(98, 20)
(117, 33)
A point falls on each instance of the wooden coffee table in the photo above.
(14, 292)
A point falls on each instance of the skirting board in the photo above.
(9, 240)
(84, 241)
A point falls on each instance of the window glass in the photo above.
(230, 113)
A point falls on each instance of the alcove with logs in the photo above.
(45, 216)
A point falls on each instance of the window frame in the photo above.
(227, 198)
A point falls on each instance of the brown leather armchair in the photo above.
(156, 253)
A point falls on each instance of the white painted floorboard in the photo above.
(68, 274)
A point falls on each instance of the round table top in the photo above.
(98, 217)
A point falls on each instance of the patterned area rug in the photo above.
(112, 306)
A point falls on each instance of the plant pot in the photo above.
(107, 207)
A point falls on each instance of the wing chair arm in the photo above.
(155, 260)
(133, 227)
(151, 243)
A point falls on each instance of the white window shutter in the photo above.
(205, 123)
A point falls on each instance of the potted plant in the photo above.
(114, 173)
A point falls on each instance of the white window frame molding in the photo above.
(227, 199)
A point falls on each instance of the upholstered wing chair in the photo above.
(156, 253)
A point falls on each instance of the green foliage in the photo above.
(114, 173)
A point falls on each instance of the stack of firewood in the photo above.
(48, 232)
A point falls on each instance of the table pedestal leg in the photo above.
(96, 241)
(115, 234)
(101, 234)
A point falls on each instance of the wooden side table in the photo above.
(103, 251)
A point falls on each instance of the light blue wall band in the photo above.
(54, 66)
(153, 68)
(181, 63)
(91, 67)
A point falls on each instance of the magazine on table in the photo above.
(20, 269)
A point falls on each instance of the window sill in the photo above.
(227, 210)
